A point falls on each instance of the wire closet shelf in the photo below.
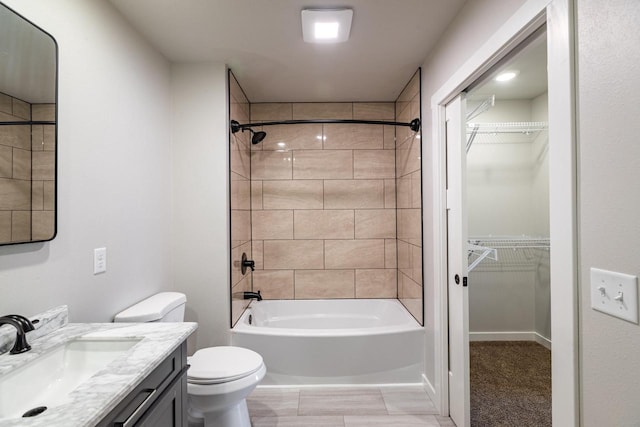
(504, 133)
(507, 252)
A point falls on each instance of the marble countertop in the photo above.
(96, 397)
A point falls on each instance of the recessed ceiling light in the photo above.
(506, 76)
(326, 25)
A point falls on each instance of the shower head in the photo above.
(257, 137)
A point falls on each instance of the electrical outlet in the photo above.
(615, 294)
(99, 260)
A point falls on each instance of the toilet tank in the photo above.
(162, 307)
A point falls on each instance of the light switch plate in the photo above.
(99, 260)
(615, 294)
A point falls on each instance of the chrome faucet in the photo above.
(252, 295)
(22, 325)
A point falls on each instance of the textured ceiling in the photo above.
(262, 43)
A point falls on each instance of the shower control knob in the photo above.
(247, 263)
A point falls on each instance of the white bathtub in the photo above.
(333, 341)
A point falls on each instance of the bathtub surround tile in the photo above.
(416, 264)
(240, 160)
(390, 253)
(411, 89)
(322, 110)
(274, 284)
(6, 162)
(407, 400)
(389, 133)
(405, 259)
(389, 193)
(339, 401)
(293, 254)
(258, 253)
(240, 227)
(15, 194)
(18, 136)
(5, 104)
(271, 111)
(368, 164)
(5, 226)
(410, 295)
(391, 420)
(272, 224)
(376, 283)
(374, 111)
(354, 194)
(293, 137)
(323, 224)
(236, 257)
(408, 157)
(322, 164)
(322, 284)
(238, 303)
(256, 195)
(271, 165)
(296, 194)
(240, 192)
(410, 226)
(43, 112)
(416, 189)
(22, 110)
(375, 223)
(354, 253)
(21, 164)
(42, 225)
(353, 137)
(49, 195)
(20, 226)
(404, 192)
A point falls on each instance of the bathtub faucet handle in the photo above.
(247, 263)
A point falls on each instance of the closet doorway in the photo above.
(500, 294)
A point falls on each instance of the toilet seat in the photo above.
(222, 364)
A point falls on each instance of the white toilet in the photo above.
(219, 379)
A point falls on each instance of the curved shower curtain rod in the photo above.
(414, 124)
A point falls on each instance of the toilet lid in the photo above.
(222, 364)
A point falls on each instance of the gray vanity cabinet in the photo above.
(159, 401)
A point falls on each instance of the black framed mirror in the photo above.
(28, 131)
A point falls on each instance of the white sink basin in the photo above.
(48, 380)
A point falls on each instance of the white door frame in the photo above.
(558, 14)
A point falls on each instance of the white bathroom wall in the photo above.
(609, 202)
(473, 26)
(114, 161)
(200, 215)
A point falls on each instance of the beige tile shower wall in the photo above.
(409, 200)
(323, 202)
(15, 171)
(240, 199)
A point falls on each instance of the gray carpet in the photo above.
(510, 384)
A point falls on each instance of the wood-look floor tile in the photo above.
(391, 420)
(273, 403)
(341, 402)
(311, 421)
(407, 400)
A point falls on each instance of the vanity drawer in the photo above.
(164, 379)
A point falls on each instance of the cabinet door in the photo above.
(170, 409)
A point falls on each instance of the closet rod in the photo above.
(413, 124)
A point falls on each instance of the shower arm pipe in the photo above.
(414, 124)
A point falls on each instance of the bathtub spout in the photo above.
(253, 295)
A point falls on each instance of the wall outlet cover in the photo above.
(615, 294)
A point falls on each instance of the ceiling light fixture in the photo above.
(326, 25)
(506, 76)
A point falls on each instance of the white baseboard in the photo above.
(431, 391)
(510, 336)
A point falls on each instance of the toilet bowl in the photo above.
(219, 378)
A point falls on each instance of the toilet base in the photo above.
(231, 416)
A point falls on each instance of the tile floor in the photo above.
(392, 406)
